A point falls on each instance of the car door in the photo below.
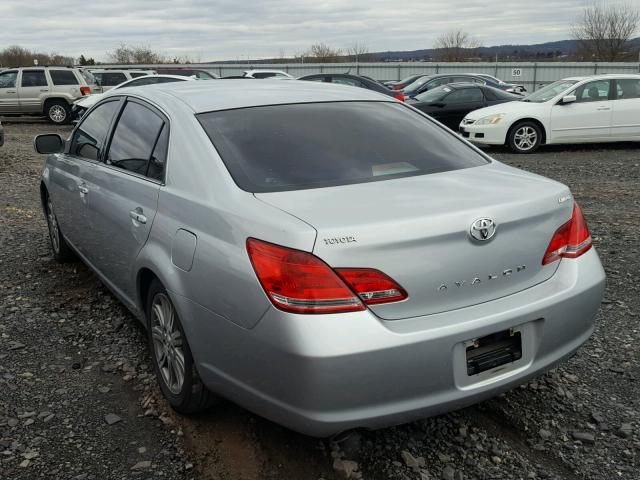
(588, 118)
(123, 193)
(9, 102)
(68, 173)
(33, 87)
(625, 123)
(457, 104)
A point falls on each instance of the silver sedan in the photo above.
(322, 255)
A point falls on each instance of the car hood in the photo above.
(88, 101)
(508, 107)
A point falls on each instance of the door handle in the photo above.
(83, 190)
(137, 216)
(604, 108)
(11, 91)
(44, 90)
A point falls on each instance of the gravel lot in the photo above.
(78, 399)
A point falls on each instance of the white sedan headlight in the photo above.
(490, 120)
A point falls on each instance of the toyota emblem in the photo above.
(483, 229)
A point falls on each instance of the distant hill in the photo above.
(557, 49)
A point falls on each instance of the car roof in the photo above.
(212, 95)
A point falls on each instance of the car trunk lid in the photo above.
(417, 231)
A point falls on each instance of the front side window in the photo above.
(33, 78)
(465, 95)
(89, 139)
(300, 146)
(63, 77)
(8, 79)
(597, 91)
(434, 95)
(134, 138)
(627, 88)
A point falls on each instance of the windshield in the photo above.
(412, 87)
(88, 77)
(550, 91)
(434, 95)
(310, 145)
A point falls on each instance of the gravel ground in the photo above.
(78, 399)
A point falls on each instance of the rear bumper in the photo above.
(324, 374)
(484, 134)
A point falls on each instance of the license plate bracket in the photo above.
(493, 350)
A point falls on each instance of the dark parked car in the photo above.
(354, 81)
(450, 103)
(400, 84)
(429, 82)
(502, 85)
(199, 73)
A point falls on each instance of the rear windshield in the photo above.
(311, 145)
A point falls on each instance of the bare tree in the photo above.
(17, 56)
(455, 46)
(604, 31)
(136, 54)
(358, 52)
(322, 53)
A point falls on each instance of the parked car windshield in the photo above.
(412, 87)
(311, 145)
(547, 93)
(434, 95)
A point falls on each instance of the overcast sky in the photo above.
(233, 29)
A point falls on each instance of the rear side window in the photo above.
(63, 77)
(628, 88)
(89, 139)
(137, 74)
(33, 78)
(134, 138)
(299, 146)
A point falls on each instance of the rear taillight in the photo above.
(372, 286)
(571, 240)
(399, 96)
(299, 282)
(85, 90)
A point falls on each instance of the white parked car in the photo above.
(277, 74)
(79, 108)
(600, 108)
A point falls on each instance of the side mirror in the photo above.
(437, 104)
(568, 99)
(48, 143)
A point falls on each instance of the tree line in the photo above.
(602, 34)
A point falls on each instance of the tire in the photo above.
(524, 137)
(170, 351)
(62, 253)
(58, 112)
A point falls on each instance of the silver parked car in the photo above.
(324, 256)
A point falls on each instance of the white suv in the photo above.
(47, 91)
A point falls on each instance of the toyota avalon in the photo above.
(324, 256)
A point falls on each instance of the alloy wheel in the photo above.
(167, 343)
(52, 223)
(525, 138)
(57, 113)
